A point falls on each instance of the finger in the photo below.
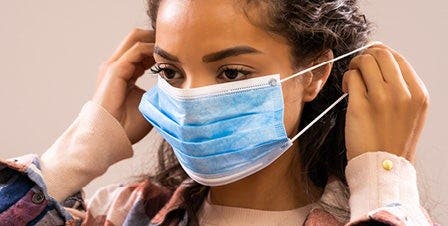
(419, 94)
(390, 69)
(137, 35)
(370, 72)
(354, 85)
(136, 61)
(139, 53)
(140, 70)
(414, 82)
(148, 62)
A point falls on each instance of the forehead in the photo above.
(207, 24)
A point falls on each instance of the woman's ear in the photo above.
(315, 80)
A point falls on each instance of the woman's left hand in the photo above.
(387, 104)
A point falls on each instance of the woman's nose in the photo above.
(196, 81)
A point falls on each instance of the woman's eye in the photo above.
(168, 74)
(233, 74)
(165, 72)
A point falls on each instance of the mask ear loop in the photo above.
(320, 65)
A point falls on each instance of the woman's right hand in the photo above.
(116, 90)
(387, 105)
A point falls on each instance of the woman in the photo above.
(353, 166)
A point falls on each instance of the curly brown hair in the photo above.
(311, 27)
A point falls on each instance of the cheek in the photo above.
(293, 107)
(292, 118)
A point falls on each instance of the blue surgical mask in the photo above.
(222, 133)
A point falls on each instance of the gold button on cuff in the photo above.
(388, 164)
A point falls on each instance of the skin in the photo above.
(387, 106)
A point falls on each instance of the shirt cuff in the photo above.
(93, 142)
(380, 179)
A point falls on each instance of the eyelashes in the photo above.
(165, 71)
(233, 73)
(156, 69)
(226, 73)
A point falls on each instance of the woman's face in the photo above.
(203, 42)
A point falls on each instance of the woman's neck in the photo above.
(274, 188)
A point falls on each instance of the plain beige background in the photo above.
(50, 52)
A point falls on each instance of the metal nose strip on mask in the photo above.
(320, 65)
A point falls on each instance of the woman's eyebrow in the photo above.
(159, 51)
(212, 57)
(233, 51)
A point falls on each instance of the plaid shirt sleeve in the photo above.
(24, 199)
